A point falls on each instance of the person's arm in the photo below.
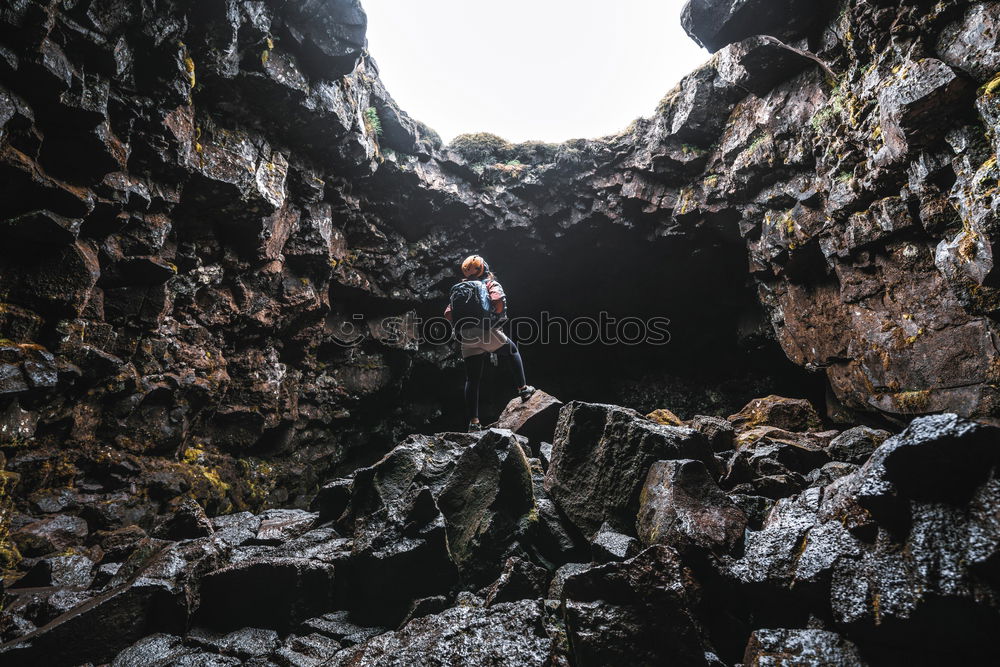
(447, 313)
(498, 299)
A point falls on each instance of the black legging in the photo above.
(474, 374)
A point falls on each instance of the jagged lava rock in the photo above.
(609, 546)
(717, 430)
(506, 633)
(265, 593)
(681, 506)
(535, 418)
(716, 23)
(520, 580)
(645, 603)
(601, 456)
(791, 414)
(195, 194)
(441, 506)
(843, 543)
(770, 648)
(856, 444)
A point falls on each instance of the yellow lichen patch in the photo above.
(58, 472)
(189, 67)
(788, 222)
(968, 246)
(687, 194)
(9, 555)
(912, 401)
(993, 370)
(213, 477)
(664, 417)
(193, 454)
(265, 55)
(993, 87)
(257, 480)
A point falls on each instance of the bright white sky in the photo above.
(549, 70)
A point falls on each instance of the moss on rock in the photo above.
(482, 148)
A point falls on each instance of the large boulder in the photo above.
(894, 548)
(50, 534)
(601, 456)
(508, 633)
(65, 571)
(682, 506)
(152, 592)
(760, 62)
(434, 509)
(909, 108)
(791, 414)
(609, 545)
(520, 580)
(265, 593)
(640, 611)
(329, 33)
(972, 43)
(535, 418)
(716, 23)
(771, 648)
(717, 430)
(856, 444)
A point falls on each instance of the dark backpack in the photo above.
(470, 304)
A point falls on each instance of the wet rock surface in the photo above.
(442, 549)
(535, 418)
(808, 647)
(681, 506)
(591, 441)
(218, 231)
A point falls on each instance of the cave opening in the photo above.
(614, 283)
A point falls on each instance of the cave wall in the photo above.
(197, 195)
(868, 186)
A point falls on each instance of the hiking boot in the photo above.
(475, 427)
(526, 393)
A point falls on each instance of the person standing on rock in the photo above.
(477, 309)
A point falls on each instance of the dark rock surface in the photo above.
(892, 558)
(682, 506)
(644, 605)
(600, 458)
(801, 647)
(535, 418)
(506, 633)
(855, 445)
(450, 507)
(608, 546)
(716, 23)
